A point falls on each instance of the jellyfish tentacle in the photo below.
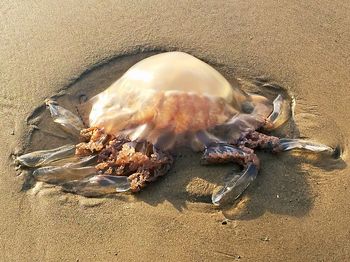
(60, 174)
(256, 139)
(45, 157)
(144, 175)
(67, 172)
(235, 183)
(70, 122)
(221, 153)
(141, 178)
(136, 164)
(98, 185)
(286, 144)
(277, 109)
(274, 144)
(278, 115)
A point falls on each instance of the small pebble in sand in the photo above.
(266, 239)
(225, 221)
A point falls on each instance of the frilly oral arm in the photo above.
(236, 183)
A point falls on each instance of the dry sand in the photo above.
(297, 210)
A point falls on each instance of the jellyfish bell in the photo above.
(168, 95)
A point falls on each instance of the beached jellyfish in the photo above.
(161, 102)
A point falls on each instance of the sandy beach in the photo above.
(296, 210)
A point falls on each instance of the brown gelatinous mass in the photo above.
(141, 162)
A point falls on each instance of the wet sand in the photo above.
(297, 209)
